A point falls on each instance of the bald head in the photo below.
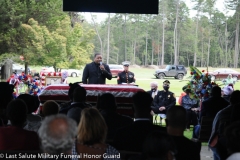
(57, 134)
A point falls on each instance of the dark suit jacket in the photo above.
(186, 149)
(131, 137)
(92, 74)
(212, 106)
(154, 106)
(115, 121)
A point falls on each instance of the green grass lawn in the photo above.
(144, 76)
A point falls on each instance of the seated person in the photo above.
(190, 105)
(50, 107)
(227, 91)
(108, 108)
(211, 107)
(14, 137)
(5, 98)
(182, 94)
(78, 99)
(131, 137)
(232, 134)
(57, 135)
(33, 121)
(159, 145)
(176, 123)
(78, 104)
(91, 136)
(72, 86)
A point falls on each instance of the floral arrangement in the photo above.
(200, 84)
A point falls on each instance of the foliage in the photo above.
(200, 84)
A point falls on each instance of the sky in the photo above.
(102, 16)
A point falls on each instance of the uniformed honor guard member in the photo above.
(164, 99)
(126, 77)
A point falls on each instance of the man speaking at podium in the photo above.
(96, 72)
(126, 77)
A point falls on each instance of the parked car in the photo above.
(18, 68)
(72, 72)
(176, 71)
(221, 74)
(115, 69)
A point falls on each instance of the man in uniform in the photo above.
(126, 77)
(164, 100)
(96, 72)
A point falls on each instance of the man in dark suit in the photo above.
(96, 72)
(126, 77)
(214, 104)
(176, 124)
(153, 92)
(131, 137)
(108, 108)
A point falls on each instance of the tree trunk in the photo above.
(95, 27)
(125, 47)
(226, 46)
(163, 40)
(146, 49)
(26, 68)
(209, 41)
(176, 36)
(108, 43)
(152, 53)
(202, 51)
(236, 42)
(195, 45)
(6, 70)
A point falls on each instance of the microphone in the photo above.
(101, 64)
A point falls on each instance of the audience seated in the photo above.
(219, 123)
(72, 87)
(6, 95)
(33, 121)
(50, 108)
(57, 134)
(176, 123)
(159, 146)
(78, 104)
(191, 106)
(131, 137)
(92, 131)
(232, 135)
(108, 109)
(14, 137)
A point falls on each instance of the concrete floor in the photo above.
(206, 154)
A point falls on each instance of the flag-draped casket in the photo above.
(122, 93)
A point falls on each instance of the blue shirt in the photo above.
(188, 103)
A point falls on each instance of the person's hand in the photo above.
(162, 108)
(102, 67)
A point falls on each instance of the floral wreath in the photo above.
(200, 84)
